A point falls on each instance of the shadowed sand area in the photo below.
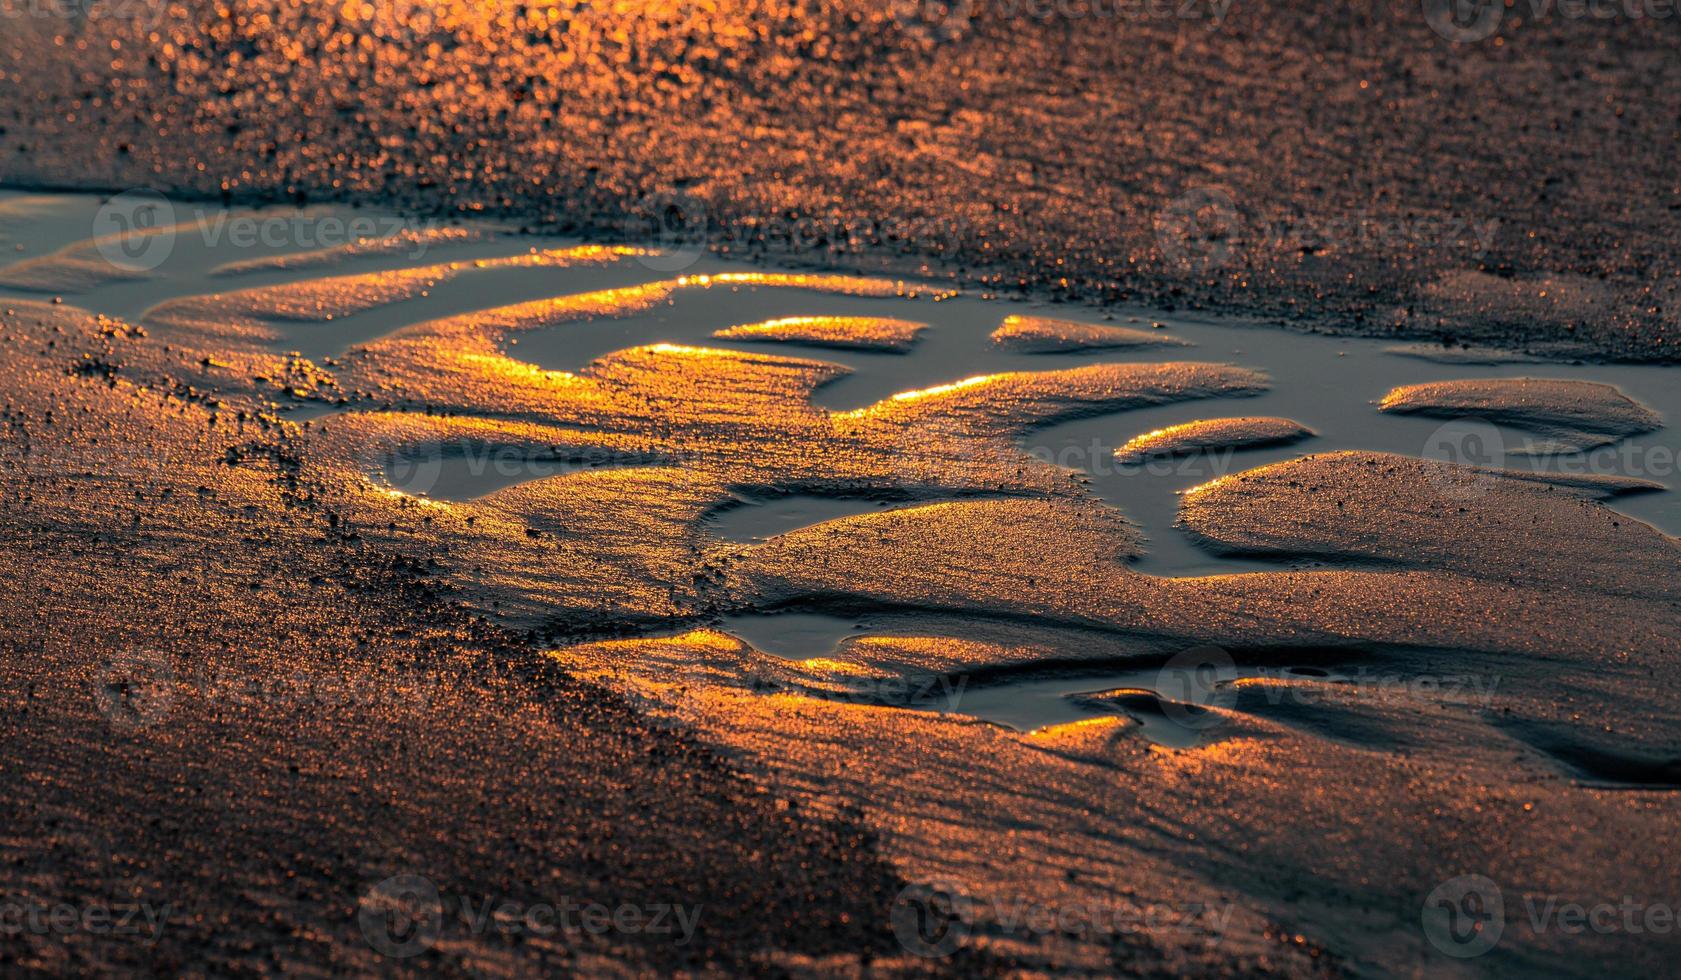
(1576, 414)
(524, 578)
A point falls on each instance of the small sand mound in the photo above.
(1577, 414)
(1043, 335)
(845, 332)
(1206, 435)
(411, 241)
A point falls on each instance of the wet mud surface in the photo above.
(1355, 169)
(905, 613)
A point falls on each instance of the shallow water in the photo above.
(755, 520)
(468, 473)
(1330, 385)
(795, 635)
(1056, 147)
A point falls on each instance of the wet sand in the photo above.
(1349, 169)
(572, 596)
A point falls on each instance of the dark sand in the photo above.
(325, 717)
(1343, 168)
(1323, 168)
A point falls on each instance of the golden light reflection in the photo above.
(858, 332)
(830, 665)
(979, 379)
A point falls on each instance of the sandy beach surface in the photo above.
(801, 489)
(1363, 168)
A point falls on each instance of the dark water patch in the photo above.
(469, 469)
(1598, 760)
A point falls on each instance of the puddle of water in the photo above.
(468, 291)
(459, 475)
(794, 635)
(195, 254)
(1147, 696)
(1033, 704)
(755, 520)
(307, 411)
(1327, 384)
(45, 224)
